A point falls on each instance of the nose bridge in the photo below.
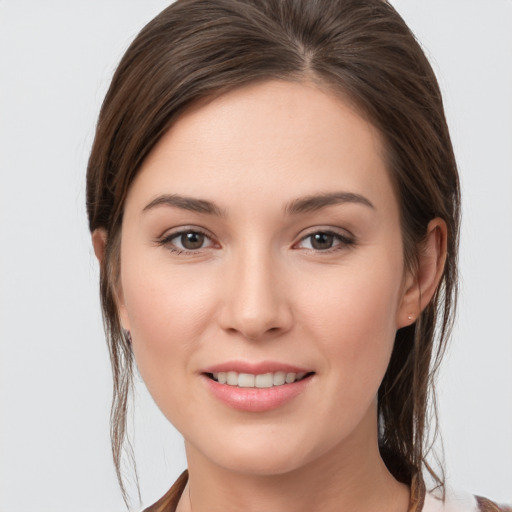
(256, 303)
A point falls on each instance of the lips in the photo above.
(256, 387)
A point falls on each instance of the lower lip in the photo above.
(256, 399)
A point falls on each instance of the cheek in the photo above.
(168, 308)
(354, 319)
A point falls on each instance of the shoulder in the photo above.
(461, 503)
(169, 501)
(485, 505)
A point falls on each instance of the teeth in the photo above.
(279, 378)
(263, 380)
(245, 380)
(290, 377)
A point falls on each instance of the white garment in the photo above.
(453, 503)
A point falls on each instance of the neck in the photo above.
(350, 476)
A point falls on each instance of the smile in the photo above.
(260, 391)
(262, 380)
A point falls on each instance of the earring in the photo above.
(410, 316)
(127, 336)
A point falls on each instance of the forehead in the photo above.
(287, 137)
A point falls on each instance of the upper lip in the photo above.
(255, 368)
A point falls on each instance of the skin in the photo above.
(258, 290)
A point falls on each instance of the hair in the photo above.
(361, 50)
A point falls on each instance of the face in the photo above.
(261, 246)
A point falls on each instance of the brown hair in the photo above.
(361, 48)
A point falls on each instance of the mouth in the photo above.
(257, 386)
(259, 381)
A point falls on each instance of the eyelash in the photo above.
(343, 241)
(167, 241)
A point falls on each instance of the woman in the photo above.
(274, 202)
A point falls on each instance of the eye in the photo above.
(324, 241)
(191, 241)
(186, 241)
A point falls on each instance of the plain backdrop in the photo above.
(56, 59)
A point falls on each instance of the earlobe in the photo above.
(421, 284)
(99, 242)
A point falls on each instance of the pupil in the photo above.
(192, 240)
(322, 241)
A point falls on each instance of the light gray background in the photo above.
(56, 59)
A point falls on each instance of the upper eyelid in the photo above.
(341, 232)
(174, 232)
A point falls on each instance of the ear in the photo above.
(99, 242)
(422, 282)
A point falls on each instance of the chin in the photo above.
(262, 464)
(262, 455)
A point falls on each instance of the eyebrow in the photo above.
(185, 203)
(319, 201)
(297, 206)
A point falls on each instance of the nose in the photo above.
(256, 304)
